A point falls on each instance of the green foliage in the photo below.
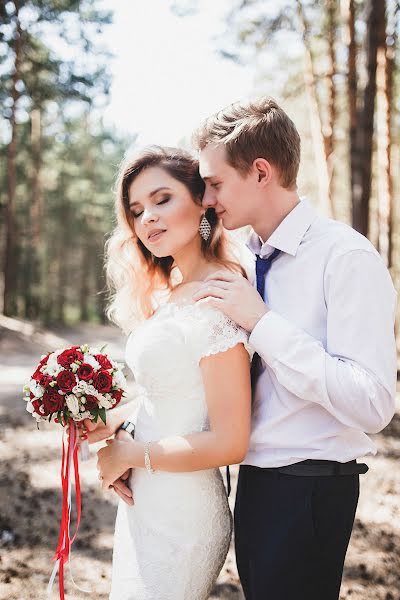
(66, 159)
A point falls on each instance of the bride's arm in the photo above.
(226, 377)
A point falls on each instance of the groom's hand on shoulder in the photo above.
(235, 296)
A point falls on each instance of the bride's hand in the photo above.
(113, 461)
(96, 432)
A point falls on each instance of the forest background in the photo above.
(65, 127)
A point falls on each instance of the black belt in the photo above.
(321, 468)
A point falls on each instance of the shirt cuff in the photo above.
(270, 336)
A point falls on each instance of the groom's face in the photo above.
(227, 191)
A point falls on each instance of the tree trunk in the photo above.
(390, 70)
(383, 149)
(361, 190)
(64, 250)
(315, 117)
(329, 133)
(32, 308)
(10, 267)
(84, 288)
(352, 93)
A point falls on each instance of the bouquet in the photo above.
(70, 385)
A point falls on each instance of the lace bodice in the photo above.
(164, 354)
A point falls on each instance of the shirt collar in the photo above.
(288, 235)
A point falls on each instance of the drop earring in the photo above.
(204, 228)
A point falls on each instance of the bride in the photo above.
(192, 364)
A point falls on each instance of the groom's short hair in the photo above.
(255, 129)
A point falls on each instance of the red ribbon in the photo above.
(64, 540)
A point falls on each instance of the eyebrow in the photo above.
(153, 193)
(208, 177)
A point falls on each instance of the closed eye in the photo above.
(163, 201)
(166, 199)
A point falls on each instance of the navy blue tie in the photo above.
(263, 265)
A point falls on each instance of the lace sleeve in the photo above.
(217, 333)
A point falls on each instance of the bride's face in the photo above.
(166, 218)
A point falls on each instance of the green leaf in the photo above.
(102, 415)
(102, 349)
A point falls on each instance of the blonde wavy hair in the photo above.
(138, 281)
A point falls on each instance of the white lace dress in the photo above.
(172, 543)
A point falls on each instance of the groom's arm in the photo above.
(354, 378)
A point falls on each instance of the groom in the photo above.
(322, 323)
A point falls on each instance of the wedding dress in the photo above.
(172, 543)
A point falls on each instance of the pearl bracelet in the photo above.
(147, 462)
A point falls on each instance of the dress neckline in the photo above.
(170, 305)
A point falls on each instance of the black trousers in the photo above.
(292, 533)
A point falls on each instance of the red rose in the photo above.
(66, 358)
(44, 360)
(117, 395)
(31, 396)
(46, 380)
(52, 401)
(91, 402)
(103, 361)
(85, 372)
(102, 381)
(36, 405)
(66, 380)
(38, 375)
(42, 379)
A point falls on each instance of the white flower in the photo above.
(94, 351)
(104, 403)
(52, 368)
(82, 415)
(36, 389)
(29, 407)
(117, 365)
(84, 388)
(90, 360)
(119, 379)
(73, 404)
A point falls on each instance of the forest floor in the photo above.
(30, 497)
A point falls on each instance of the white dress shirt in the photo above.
(328, 372)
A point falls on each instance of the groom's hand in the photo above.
(121, 488)
(235, 296)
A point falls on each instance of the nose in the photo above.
(148, 216)
(209, 200)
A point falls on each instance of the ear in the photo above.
(263, 170)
